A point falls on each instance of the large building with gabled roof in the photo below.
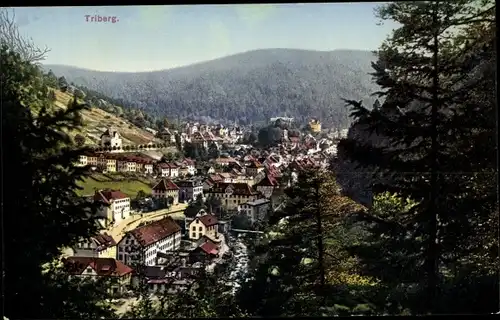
(141, 245)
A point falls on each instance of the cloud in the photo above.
(253, 14)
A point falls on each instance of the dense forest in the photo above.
(247, 87)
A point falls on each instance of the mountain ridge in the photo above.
(246, 87)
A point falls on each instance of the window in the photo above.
(120, 257)
(193, 235)
(89, 270)
(200, 229)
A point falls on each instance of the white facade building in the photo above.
(111, 138)
(115, 205)
(141, 245)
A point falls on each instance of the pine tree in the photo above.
(303, 256)
(425, 72)
(42, 213)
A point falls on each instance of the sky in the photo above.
(147, 38)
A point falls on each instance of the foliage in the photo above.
(79, 140)
(44, 205)
(195, 151)
(241, 221)
(305, 251)
(269, 136)
(438, 149)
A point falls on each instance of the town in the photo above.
(194, 208)
(249, 161)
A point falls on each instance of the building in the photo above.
(267, 185)
(107, 163)
(95, 268)
(151, 130)
(166, 135)
(315, 125)
(190, 164)
(111, 138)
(141, 245)
(168, 170)
(100, 246)
(205, 225)
(232, 194)
(165, 189)
(256, 210)
(115, 205)
(190, 189)
(254, 168)
(160, 279)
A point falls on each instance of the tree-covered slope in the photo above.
(249, 87)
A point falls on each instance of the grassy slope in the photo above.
(96, 121)
(130, 187)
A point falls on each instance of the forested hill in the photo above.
(249, 87)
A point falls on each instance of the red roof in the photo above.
(209, 248)
(189, 162)
(225, 160)
(104, 240)
(168, 165)
(215, 177)
(268, 181)
(208, 220)
(164, 185)
(107, 195)
(155, 231)
(101, 266)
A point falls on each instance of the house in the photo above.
(100, 246)
(168, 170)
(197, 138)
(254, 168)
(150, 130)
(141, 245)
(92, 159)
(115, 205)
(82, 160)
(190, 189)
(167, 136)
(232, 194)
(165, 189)
(224, 161)
(205, 225)
(267, 185)
(190, 164)
(95, 268)
(160, 279)
(107, 163)
(111, 138)
(205, 252)
(315, 125)
(256, 210)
